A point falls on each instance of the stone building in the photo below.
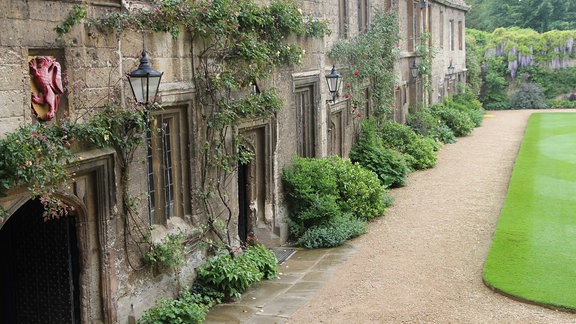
(83, 268)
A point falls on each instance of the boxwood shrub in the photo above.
(459, 122)
(426, 124)
(331, 199)
(421, 151)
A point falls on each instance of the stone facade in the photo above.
(109, 286)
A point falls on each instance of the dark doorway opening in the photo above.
(243, 203)
(39, 276)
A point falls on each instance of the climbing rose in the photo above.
(359, 115)
(356, 73)
(346, 96)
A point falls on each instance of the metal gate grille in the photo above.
(43, 269)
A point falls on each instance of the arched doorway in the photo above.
(39, 276)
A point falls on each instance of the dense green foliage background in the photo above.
(540, 15)
(513, 68)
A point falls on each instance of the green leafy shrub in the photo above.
(231, 276)
(459, 122)
(554, 82)
(423, 122)
(189, 308)
(466, 101)
(168, 253)
(529, 96)
(388, 164)
(563, 103)
(341, 229)
(361, 193)
(312, 193)
(421, 150)
(493, 91)
(444, 134)
(264, 259)
(325, 193)
(226, 275)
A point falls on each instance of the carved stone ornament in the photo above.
(46, 86)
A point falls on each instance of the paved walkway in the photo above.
(274, 301)
(422, 262)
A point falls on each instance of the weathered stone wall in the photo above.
(94, 63)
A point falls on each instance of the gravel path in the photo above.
(422, 262)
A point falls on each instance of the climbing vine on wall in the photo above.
(238, 44)
(426, 52)
(370, 59)
(35, 156)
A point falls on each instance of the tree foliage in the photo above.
(540, 15)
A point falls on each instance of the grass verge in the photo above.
(533, 254)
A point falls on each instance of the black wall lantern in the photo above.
(254, 89)
(414, 70)
(333, 79)
(144, 81)
(451, 68)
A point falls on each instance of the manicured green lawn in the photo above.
(533, 254)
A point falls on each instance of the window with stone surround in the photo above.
(441, 32)
(451, 35)
(413, 30)
(460, 36)
(363, 16)
(166, 165)
(306, 114)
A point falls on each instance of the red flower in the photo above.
(346, 96)
(356, 73)
(348, 85)
(359, 115)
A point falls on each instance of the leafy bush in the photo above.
(468, 102)
(563, 103)
(423, 122)
(361, 193)
(459, 122)
(554, 82)
(388, 164)
(421, 150)
(529, 96)
(312, 193)
(264, 259)
(503, 104)
(168, 254)
(341, 229)
(444, 134)
(325, 194)
(189, 308)
(231, 276)
(493, 93)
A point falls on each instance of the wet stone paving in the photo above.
(274, 301)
